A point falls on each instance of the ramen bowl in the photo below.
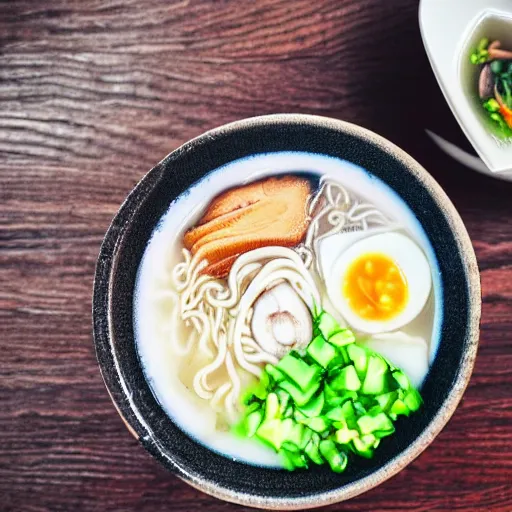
(242, 152)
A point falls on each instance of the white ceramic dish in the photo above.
(450, 30)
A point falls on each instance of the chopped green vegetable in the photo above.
(317, 424)
(401, 379)
(321, 351)
(336, 459)
(272, 407)
(252, 422)
(346, 379)
(335, 398)
(344, 435)
(314, 406)
(386, 400)
(274, 373)
(413, 400)
(398, 409)
(327, 325)
(300, 397)
(368, 424)
(342, 338)
(359, 357)
(299, 372)
(376, 376)
(312, 450)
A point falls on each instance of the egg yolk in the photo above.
(375, 287)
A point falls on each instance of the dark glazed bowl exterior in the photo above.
(121, 253)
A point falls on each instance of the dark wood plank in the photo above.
(92, 94)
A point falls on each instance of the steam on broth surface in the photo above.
(234, 281)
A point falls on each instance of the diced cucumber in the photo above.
(307, 435)
(299, 416)
(284, 400)
(336, 458)
(401, 379)
(359, 408)
(274, 373)
(252, 422)
(347, 379)
(313, 452)
(335, 414)
(376, 376)
(271, 433)
(379, 434)
(300, 373)
(295, 433)
(345, 435)
(340, 398)
(272, 407)
(288, 413)
(292, 457)
(314, 406)
(327, 325)
(398, 409)
(359, 357)
(386, 400)
(363, 446)
(349, 413)
(299, 397)
(368, 424)
(331, 394)
(317, 424)
(342, 338)
(254, 406)
(321, 351)
(413, 400)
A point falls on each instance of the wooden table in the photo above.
(92, 94)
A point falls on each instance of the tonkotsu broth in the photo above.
(169, 375)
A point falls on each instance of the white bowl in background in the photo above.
(450, 30)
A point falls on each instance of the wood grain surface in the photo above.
(92, 94)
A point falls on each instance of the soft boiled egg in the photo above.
(378, 283)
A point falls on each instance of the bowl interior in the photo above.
(121, 254)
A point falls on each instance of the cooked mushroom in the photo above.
(486, 83)
(281, 321)
(495, 51)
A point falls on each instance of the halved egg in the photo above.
(379, 283)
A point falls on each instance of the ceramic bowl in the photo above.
(123, 248)
(451, 30)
